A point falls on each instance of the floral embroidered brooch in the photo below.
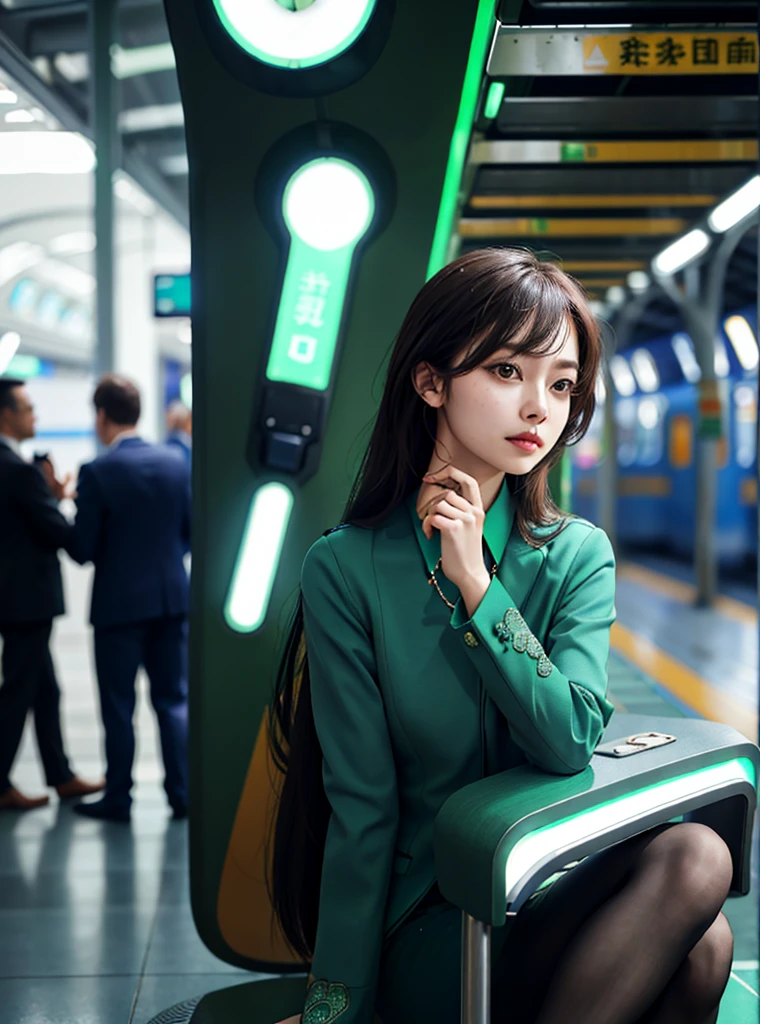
(325, 1002)
(514, 629)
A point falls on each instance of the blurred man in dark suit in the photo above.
(133, 522)
(179, 428)
(31, 596)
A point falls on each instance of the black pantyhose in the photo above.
(631, 936)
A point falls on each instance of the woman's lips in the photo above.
(526, 446)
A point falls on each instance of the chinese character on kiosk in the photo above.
(670, 52)
(742, 51)
(704, 51)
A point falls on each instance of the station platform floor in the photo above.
(95, 918)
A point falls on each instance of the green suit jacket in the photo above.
(413, 701)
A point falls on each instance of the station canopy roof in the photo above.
(612, 127)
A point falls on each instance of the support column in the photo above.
(700, 304)
(104, 110)
(608, 468)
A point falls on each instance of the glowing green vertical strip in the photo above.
(484, 24)
(493, 101)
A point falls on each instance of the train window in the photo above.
(650, 430)
(623, 379)
(24, 297)
(722, 365)
(681, 441)
(684, 350)
(743, 339)
(746, 425)
(587, 453)
(645, 370)
(625, 415)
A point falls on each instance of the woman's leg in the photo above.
(693, 994)
(607, 941)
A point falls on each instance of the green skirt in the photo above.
(421, 964)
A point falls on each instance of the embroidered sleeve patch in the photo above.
(325, 1002)
(513, 629)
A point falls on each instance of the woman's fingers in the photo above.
(467, 485)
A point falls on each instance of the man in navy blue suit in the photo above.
(179, 428)
(133, 522)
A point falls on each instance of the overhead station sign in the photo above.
(538, 52)
(671, 53)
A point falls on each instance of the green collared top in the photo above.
(413, 701)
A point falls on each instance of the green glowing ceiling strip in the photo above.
(294, 39)
(481, 37)
(328, 205)
(569, 832)
(259, 554)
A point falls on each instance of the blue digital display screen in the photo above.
(171, 295)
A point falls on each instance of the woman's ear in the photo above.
(428, 385)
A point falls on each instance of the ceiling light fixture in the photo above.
(685, 249)
(737, 206)
(35, 152)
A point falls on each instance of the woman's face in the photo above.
(488, 411)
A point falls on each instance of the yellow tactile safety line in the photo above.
(686, 593)
(685, 684)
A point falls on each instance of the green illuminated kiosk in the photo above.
(326, 141)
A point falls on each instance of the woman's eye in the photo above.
(564, 386)
(507, 371)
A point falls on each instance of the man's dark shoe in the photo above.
(103, 810)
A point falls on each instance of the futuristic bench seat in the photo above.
(498, 839)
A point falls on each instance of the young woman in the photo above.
(457, 625)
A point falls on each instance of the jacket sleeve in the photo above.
(554, 699)
(360, 783)
(39, 508)
(88, 524)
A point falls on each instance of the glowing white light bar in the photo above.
(185, 333)
(600, 388)
(174, 164)
(622, 378)
(742, 337)
(8, 96)
(638, 281)
(648, 413)
(18, 257)
(75, 67)
(645, 370)
(141, 60)
(33, 152)
(615, 296)
(567, 835)
(125, 188)
(19, 117)
(684, 351)
(153, 118)
(69, 279)
(72, 243)
(294, 38)
(739, 205)
(258, 557)
(9, 343)
(682, 251)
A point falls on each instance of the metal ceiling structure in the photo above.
(53, 37)
(600, 162)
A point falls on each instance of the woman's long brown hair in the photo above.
(478, 304)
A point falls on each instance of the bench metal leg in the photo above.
(476, 971)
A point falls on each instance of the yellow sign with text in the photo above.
(672, 53)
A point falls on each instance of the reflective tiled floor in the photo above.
(95, 919)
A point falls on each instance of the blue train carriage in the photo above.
(656, 399)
